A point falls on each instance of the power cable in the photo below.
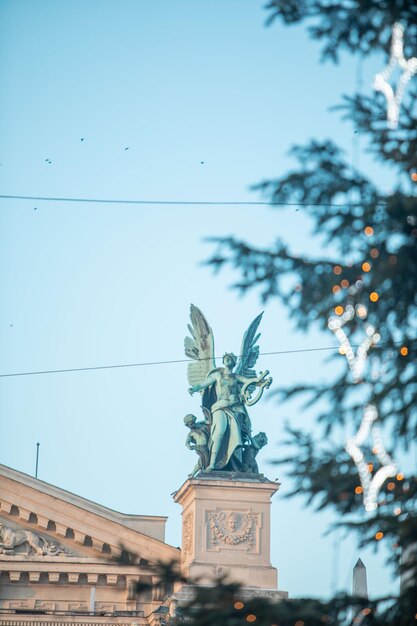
(170, 362)
(190, 202)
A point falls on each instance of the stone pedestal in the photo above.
(226, 529)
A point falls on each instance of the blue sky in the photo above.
(177, 83)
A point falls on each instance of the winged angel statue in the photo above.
(226, 392)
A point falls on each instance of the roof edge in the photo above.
(74, 499)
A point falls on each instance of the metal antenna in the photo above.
(37, 459)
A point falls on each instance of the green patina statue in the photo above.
(226, 392)
(197, 439)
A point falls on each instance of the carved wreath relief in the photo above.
(32, 543)
(188, 534)
(232, 529)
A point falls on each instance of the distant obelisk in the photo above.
(359, 584)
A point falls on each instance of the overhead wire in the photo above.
(166, 202)
(167, 362)
(188, 202)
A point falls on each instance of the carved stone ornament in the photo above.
(26, 542)
(188, 534)
(232, 528)
(225, 391)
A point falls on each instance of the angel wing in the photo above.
(199, 347)
(249, 351)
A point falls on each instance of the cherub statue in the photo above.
(197, 439)
(226, 391)
(250, 452)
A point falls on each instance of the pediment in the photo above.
(23, 543)
(58, 553)
(50, 523)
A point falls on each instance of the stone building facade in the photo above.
(58, 558)
(60, 553)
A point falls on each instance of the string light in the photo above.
(409, 68)
(356, 362)
(371, 485)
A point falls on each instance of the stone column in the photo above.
(226, 528)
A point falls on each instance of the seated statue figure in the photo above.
(249, 455)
